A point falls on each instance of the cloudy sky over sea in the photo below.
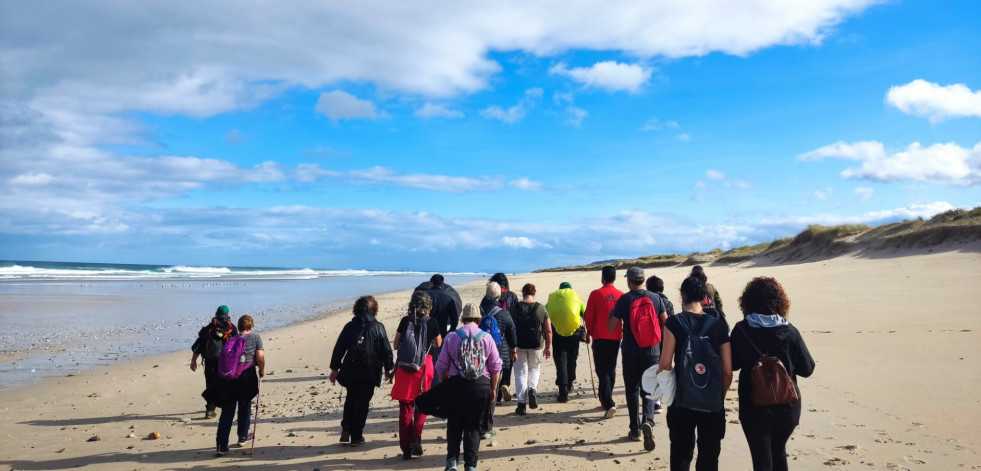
(466, 136)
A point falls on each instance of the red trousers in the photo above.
(411, 423)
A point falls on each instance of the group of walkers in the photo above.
(456, 362)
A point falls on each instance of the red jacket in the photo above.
(598, 308)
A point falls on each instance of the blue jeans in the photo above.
(225, 422)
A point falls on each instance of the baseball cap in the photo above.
(635, 274)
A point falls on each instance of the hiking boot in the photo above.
(521, 409)
(406, 455)
(356, 442)
(505, 394)
(532, 400)
(648, 429)
(450, 464)
(488, 434)
(635, 435)
(657, 407)
(610, 412)
(563, 396)
(242, 441)
(345, 437)
(415, 446)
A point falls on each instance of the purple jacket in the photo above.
(451, 345)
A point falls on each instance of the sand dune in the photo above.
(897, 342)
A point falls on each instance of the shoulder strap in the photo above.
(746, 334)
(461, 333)
(709, 321)
(494, 311)
(684, 319)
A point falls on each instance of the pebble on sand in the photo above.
(153, 436)
(93, 438)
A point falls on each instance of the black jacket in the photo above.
(783, 342)
(381, 359)
(509, 337)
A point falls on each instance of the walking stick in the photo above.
(589, 356)
(255, 422)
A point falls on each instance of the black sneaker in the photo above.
(648, 429)
(356, 442)
(521, 409)
(406, 455)
(345, 437)
(532, 400)
(415, 446)
(221, 452)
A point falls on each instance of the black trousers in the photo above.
(683, 427)
(634, 366)
(464, 423)
(210, 378)
(356, 408)
(767, 436)
(605, 354)
(565, 353)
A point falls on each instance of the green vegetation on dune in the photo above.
(947, 229)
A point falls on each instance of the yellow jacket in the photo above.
(565, 310)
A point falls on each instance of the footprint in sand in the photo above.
(910, 459)
(836, 462)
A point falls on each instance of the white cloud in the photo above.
(841, 150)
(390, 177)
(864, 192)
(873, 218)
(32, 179)
(523, 243)
(823, 194)
(715, 175)
(576, 115)
(935, 102)
(338, 105)
(234, 138)
(517, 112)
(430, 110)
(945, 164)
(611, 76)
(654, 124)
(684, 137)
(525, 184)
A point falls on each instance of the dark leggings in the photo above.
(767, 441)
(356, 408)
(683, 427)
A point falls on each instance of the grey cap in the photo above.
(470, 312)
(635, 275)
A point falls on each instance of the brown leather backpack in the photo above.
(772, 384)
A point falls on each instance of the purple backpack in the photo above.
(232, 361)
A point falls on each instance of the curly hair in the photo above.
(420, 303)
(764, 295)
(698, 272)
(365, 306)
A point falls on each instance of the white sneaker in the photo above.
(610, 412)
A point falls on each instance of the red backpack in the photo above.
(644, 322)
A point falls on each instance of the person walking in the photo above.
(656, 286)
(684, 334)
(713, 301)
(361, 355)
(766, 328)
(237, 393)
(507, 349)
(534, 339)
(637, 358)
(410, 382)
(565, 311)
(605, 344)
(208, 347)
(470, 368)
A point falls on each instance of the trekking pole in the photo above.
(255, 422)
(589, 356)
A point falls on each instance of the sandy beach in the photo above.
(896, 339)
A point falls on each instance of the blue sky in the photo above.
(453, 137)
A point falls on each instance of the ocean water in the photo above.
(59, 318)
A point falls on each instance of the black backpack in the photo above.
(360, 350)
(526, 326)
(212, 338)
(698, 374)
(444, 309)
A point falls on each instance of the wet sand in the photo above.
(897, 342)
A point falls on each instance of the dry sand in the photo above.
(897, 343)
